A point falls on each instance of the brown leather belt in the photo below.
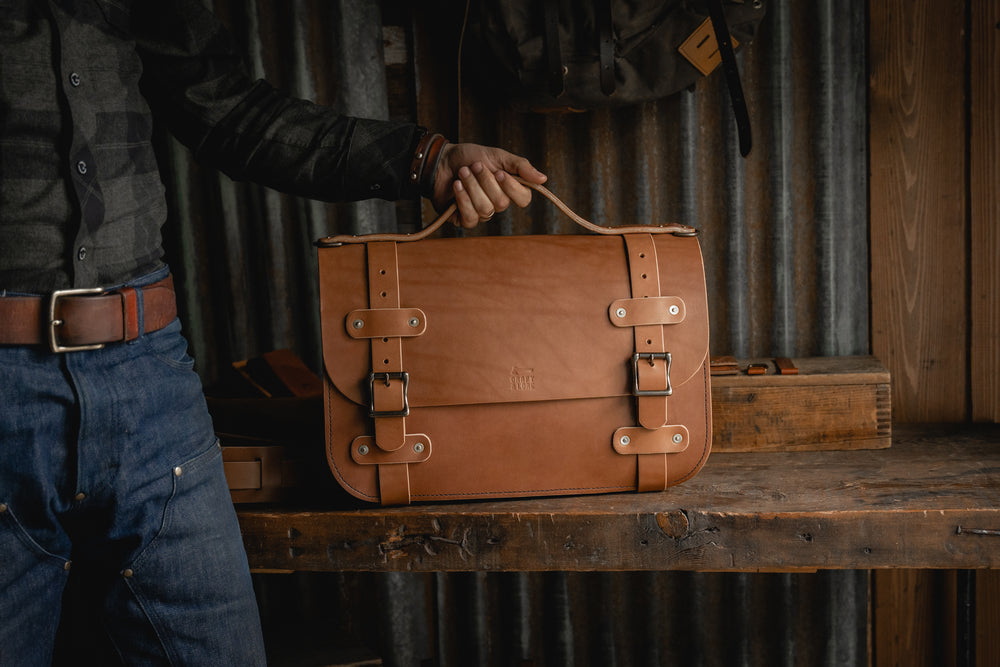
(86, 319)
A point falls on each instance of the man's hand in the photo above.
(479, 179)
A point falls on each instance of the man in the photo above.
(108, 463)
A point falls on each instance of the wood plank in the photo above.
(987, 618)
(926, 640)
(984, 183)
(918, 224)
(889, 508)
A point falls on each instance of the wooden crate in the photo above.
(830, 403)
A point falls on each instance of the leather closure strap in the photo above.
(86, 319)
(389, 381)
(388, 384)
(653, 439)
(652, 370)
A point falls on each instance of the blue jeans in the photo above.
(110, 471)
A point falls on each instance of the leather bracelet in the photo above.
(425, 162)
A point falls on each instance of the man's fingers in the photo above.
(516, 192)
(488, 182)
(467, 214)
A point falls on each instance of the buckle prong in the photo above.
(53, 322)
(385, 377)
(651, 356)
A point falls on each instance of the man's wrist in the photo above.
(426, 158)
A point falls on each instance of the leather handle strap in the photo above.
(671, 228)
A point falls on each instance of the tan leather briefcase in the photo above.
(495, 367)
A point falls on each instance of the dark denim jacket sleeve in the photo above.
(196, 81)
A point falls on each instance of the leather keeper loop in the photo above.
(415, 449)
(669, 439)
(645, 312)
(386, 323)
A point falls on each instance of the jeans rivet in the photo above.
(3, 507)
(67, 565)
(178, 471)
(127, 573)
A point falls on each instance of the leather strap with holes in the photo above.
(388, 388)
(652, 373)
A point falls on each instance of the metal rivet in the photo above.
(127, 573)
(3, 507)
(418, 447)
(67, 565)
(414, 321)
(674, 310)
(363, 450)
(358, 324)
(80, 496)
(620, 312)
(624, 440)
(178, 471)
(678, 438)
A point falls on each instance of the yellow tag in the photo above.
(701, 48)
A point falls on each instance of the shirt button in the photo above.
(81, 254)
(74, 79)
(81, 167)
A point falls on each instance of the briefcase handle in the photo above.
(676, 229)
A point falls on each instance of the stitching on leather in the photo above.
(331, 459)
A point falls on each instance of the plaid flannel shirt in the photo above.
(81, 199)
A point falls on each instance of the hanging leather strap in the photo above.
(732, 73)
(606, 48)
(553, 52)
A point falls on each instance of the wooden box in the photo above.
(829, 403)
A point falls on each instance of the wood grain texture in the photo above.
(918, 640)
(891, 508)
(984, 184)
(987, 618)
(832, 403)
(918, 216)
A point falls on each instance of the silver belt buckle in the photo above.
(54, 323)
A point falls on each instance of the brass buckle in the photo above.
(53, 322)
(385, 377)
(650, 356)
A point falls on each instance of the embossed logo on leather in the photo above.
(522, 379)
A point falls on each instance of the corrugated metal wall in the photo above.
(784, 234)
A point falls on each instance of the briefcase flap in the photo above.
(512, 319)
